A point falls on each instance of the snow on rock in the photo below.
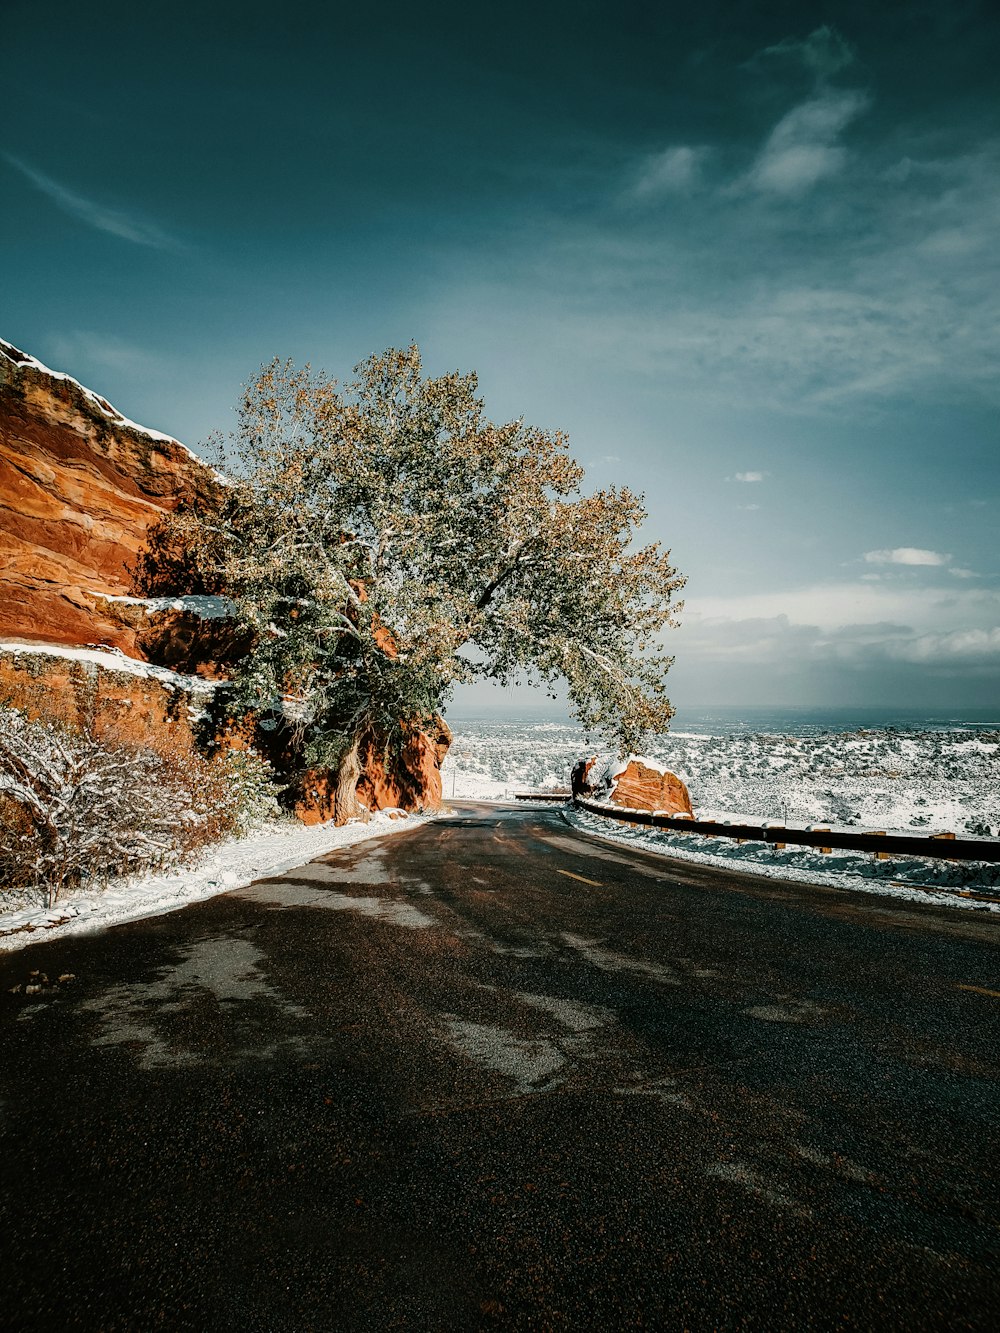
(640, 783)
(271, 850)
(80, 485)
(112, 659)
(26, 360)
(196, 604)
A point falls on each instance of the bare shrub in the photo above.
(84, 809)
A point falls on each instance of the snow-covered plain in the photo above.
(917, 780)
(892, 779)
(272, 849)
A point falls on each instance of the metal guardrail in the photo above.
(940, 846)
(561, 796)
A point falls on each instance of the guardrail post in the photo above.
(825, 850)
(879, 856)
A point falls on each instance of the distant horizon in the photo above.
(526, 713)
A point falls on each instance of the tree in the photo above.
(384, 542)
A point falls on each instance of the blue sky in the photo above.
(746, 256)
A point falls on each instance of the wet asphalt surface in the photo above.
(491, 1073)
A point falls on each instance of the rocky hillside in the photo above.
(80, 486)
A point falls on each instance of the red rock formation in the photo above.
(642, 786)
(79, 486)
(409, 779)
(581, 779)
(109, 699)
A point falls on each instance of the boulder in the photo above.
(642, 784)
(103, 692)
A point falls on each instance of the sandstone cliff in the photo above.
(80, 485)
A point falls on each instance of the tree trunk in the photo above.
(345, 797)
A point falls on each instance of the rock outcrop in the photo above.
(103, 692)
(638, 784)
(392, 778)
(644, 785)
(80, 485)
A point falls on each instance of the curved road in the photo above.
(492, 1073)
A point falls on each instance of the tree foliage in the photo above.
(385, 541)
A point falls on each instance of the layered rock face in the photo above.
(645, 786)
(407, 778)
(80, 485)
(638, 784)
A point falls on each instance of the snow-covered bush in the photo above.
(249, 796)
(78, 807)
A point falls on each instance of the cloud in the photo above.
(125, 226)
(829, 606)
(824, 52)
(782, 644)
(970, 647)
(676, 170)
(748, 508)
(959, 573)
(906, 555)
(802, 149)
(748, 476)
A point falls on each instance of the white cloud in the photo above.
(782, 642)
(802, 148)
(906, 555)
(959, 573)
(970, 647)
(748, 508)
(830, 606)
(824, 52)
(116, 223)
(748, 476)
(676, 170)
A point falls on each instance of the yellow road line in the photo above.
(981, 990)
(569, 875)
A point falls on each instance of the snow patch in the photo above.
(196, 604)
(235, 864)
(112, 659)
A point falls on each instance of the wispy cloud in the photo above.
(803, 147)
(906, 555)
(677, 170)
(126, 226)
(824, 52)
(748, 476)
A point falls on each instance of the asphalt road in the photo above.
(491, 1073)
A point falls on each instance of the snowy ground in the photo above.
(912, 780)
(891, 780)
(953, 883)
(230, 865)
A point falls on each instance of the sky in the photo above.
(745, 254)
